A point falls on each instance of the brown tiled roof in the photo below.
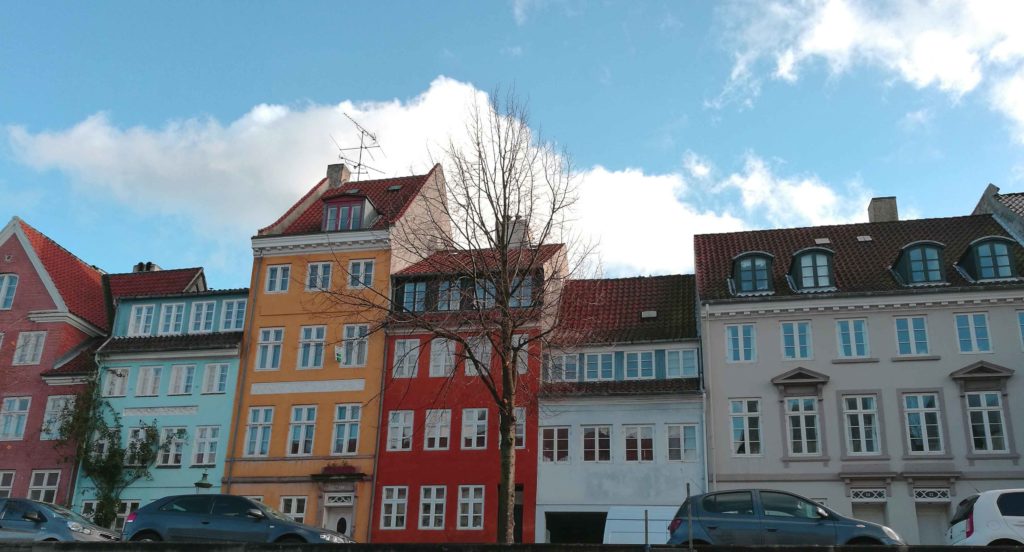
(185, 342)
(157, 282)
(466, 262)
(80, 361)
(861, 266)
(389, 196)
(608, 310)
(673, 386)
(1013, 201)
(188, 294)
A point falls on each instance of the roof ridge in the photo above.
(845, 225)
(165, 270)
(26, 226)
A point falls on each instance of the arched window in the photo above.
(752, 273)
(921, 264)
(814, 270)
(992, 260)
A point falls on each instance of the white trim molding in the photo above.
(320, 242)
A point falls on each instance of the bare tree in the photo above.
(484, 260)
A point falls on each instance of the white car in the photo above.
(992, 518)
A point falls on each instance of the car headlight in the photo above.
(329, 537)
(891, 534)
(79, 528)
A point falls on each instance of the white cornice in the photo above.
(320, 242)
(66, 318)
(14, 228)
(66, 380)
(108, 358)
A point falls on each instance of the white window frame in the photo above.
(406, 361)
(972, 327)
(806, 409)
(55, 405)
(174, 454)
(277, 278)
(437, 431)
(601, 444)
(861, 414)
(555, 447)
(312, 343)
(912, 342)
(215, 378)
(183, 379)
(987, 412)
(355, 343)
(294, 507)
(8, 288)
(204, 453)
(233, 316)
(147, 381)
(394, 507)
(302, 430)
(687, 362)
(29, 349)
(357, 274)
(432, 506)
(442, 357)
(473, 421)
(140, 320)
(520, 429)
(801, 331)
(269, 345)
(13, 414)
(258, 431)
(481, 347)
(6, 483)
(599, 359)
(638, 430)
(44, 491)
(639, 356)
(737, 347)
(685, 453)
(851, 325)
(745, 414)
(118, 375)
(316, 274)
(204, 317)
(172, 319)
(400, 430)
(563, 367)
(346, 429)
(922, 412)
(471, 496)
(136, 435)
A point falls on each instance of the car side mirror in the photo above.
(255, 513)
(34, 517)
(822, 513)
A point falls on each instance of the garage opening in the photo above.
(575, 527)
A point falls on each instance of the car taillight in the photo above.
(674, 525)
(970, 524)
(130, 518)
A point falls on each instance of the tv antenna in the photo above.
(367, 143)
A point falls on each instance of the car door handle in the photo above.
(712, 527)
(205, 522)
(771, 529)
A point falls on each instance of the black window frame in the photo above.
(905, 265)
(738, 271)
(976, 256)
(796, 269)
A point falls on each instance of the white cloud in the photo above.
(955, 46)
(917, 118)
(697, 166)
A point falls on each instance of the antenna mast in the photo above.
(368, 143)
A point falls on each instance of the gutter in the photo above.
(243, 349)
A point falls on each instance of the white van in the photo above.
(991, 518)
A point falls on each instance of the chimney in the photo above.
(883, 209)
(148, 266)
(519, 233)
(337, 175)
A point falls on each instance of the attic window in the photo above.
(990, 259)
(921, 264)
(394, 188)
(649, 314)
(750, 273)
(863, 238)
(822, 241)
(343, 215)
(813, 270)
(353, 191)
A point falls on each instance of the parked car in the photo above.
(217, 517)
(991, 518)
(22, 519)
(749, 517)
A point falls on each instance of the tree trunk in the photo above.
(507, 430)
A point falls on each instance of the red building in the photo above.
(54, 312)
(438, 467)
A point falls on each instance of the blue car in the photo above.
(218, 517)
(22, 519)
(753, 517)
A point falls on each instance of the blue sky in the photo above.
(171, 132)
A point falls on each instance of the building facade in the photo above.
(172, 362)
(52, 317)
(621, 434)
(868, 366)
(308, 403)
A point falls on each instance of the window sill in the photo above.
(865, 458)
(857, 360)
(912, 358)
(168, 467)
(788, 459)
(994, 456)
(926, 457)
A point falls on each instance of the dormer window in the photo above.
(921, 264)
(751, 273)
(813, 270)
(343, 215)
(993, 260)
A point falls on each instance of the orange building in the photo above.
(308, 409)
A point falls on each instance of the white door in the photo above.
(870, 511)
(340, 512)
(932, 520)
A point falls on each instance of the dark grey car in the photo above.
(748, 517)
(224, 518)
(22, 519)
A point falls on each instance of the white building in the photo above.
(868, 366)
(620, 414)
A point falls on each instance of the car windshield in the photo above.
(964, 509)
(69, 514)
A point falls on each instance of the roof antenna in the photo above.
(368, 143)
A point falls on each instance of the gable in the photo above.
(35, 291)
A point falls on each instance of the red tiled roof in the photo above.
(860, 266)
(79, 284)
(480, 260)
(673, 386)
(390, 204)
(78, 362)
(185, 342)
(1013, 201)
(608, 310)
(158, 282)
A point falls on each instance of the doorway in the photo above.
(339, 512)
(932, 521)
(575, 527)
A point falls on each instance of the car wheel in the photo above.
(1004, 542)
(290, 539)
(146, 536)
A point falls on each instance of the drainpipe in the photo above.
(242, 372)
(709, 434)
(380, 420)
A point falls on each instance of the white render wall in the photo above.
(578, 486)
(957, 468)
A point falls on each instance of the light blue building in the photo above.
(173, 360)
